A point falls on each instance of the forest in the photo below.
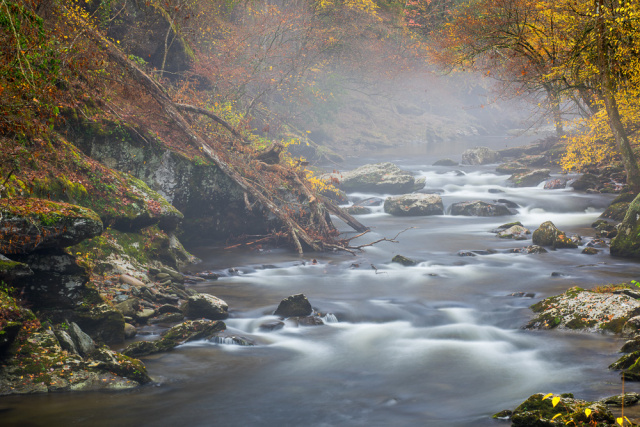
(135, 136)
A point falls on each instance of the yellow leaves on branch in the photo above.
(367, 7)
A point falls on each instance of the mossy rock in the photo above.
(401, 259)
(11, 271)
(529, 179)
(179, 334)
(294, 305)
(627, 241)
(539, 412)
(548, 235)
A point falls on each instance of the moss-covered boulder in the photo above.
(13, 270)
(540, 411)
(294, 305)
(479, 208)
(579, 309)
(529, 179)
(205, 306)
(618, 207)
(548, 235)
(587, 182)
(511, 168)
(417, 204)
(28, 225)
(627, 241)
(378, 178)
(179, 334)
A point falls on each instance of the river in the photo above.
(436, 344)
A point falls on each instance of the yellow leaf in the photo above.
(587, 412)
(546, 396)
(556, 416)
(555, 401)
(620, 421)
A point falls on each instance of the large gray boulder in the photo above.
(480, 156)
(479, 208)
(379, 178)
(207, 306)
(416, 204)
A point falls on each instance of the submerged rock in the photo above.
(480, 156)
(445, 162)
(416, 204)
(579, 309)
(479, 208)
(401, 259)
(380, 178)
(548, 235)
(293, 306)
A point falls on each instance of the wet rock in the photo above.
(555, 184)
(401, 259)
(445, 162)
(511, 168)
(107, 360)
(537, 411)
(294, 305)
(207, 306)
(532, 249)
(631, 346)
(414, 205)
(627, 241)
(358, 210)
(66, 342)
(129, 307)
(618, 207)
(586, 182)
(605, 229)
(590, 251)
(628, 399)
(584, 310)
(130, 331)
(506, 226)
(516, 232)
(371, 201)
(557, 274)
(271, 326)
(495, 191)
(379, 178)
(166, 318)
(168, 308)
(529, 179)
(480, 156)
(548, 235)
(466, 253)
(522, 294)
(82, 341)
(209, 275)
(508, 203)
(479, 208)
(27, 225)
(175, 275)
(144, 315)
(306, 320)
(179, 334)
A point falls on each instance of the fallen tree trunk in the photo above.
(297, 232)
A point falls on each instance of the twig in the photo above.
(384, 239)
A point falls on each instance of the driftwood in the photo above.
(298, 233)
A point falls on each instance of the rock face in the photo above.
(480, 156)
(585, 310)
(416, 204)
(294, 305)
(27, 225)
(549, 235)
(529, 179)
(627, 241)
(207, 306)
(379, 178)
(179, 334)
(479, 208)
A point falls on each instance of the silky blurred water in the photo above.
(436, 344)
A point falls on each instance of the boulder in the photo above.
(479, 208)
(401, 259)
(480, 156)
(445, 162)
(28, 225)
(379, 178)
(207, 306)
(529, 179)
(627, 241)
(548, 235)
(605, 229)
(618, 207)
(540, 410)
(555, 184)
(179, 334)
(416, 204)
(294, 305)
(357, 210)
(532, 249)
(82, 341)
(130, 331)
(516, 232)
(13, 270)
(583, 310)
(587, 182)
(511, 168)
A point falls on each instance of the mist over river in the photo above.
(439, 343)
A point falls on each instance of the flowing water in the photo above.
(436, 344)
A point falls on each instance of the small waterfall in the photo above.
(330, 318)
(230, 340)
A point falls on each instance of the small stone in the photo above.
(294, 305)
(401, 259)
(124, 278)
(162, 276)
